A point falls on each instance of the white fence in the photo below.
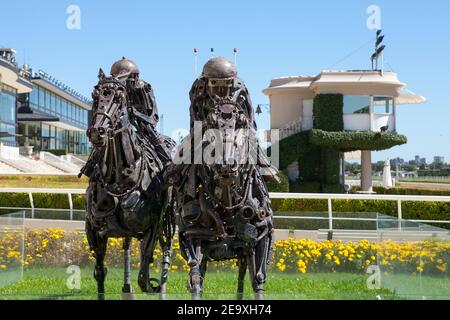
(329, 197)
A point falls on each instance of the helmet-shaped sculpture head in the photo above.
(220, 74)
(124, 69)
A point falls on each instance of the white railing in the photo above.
(74, 160)
(290, 129)
(330, 197)
(31, 191)
(314, 196)
(58, 162)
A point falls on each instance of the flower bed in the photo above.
(60, 248)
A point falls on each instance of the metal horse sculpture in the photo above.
(126, 197)
(224, 209)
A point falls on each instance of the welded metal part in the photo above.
(224, 209)
(127, 196)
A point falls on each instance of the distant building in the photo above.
(438, 160)
(423, 160)
(417, 160)
(397, 161)
(39, 113)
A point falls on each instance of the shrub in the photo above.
(282, 186)
(57, 152)
(356, 140)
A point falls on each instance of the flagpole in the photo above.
(235, 56)
(195, 61)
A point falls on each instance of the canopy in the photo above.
(408, 97)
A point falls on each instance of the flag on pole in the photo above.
(195, 61)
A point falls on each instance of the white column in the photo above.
(371, 113)
(394, 112)
(366, 171)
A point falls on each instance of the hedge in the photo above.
(411, 192)
(328, 112)
(57, 152)
(42, 200)
(282, 186)
(356, 140)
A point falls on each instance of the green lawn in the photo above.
(50, 283)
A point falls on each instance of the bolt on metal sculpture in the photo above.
(223, 207)
(127, 197)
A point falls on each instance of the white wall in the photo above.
(285, 108)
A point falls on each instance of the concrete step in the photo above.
(5, 168)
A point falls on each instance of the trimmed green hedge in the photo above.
(42, 200)
(57, 152)
(356, 140)
(328, 112)
(411, 192)
(282, 186)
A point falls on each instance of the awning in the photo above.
(408, 97)
(27, 114)
(8, 134)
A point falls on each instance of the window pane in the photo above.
(52, 104)
(382, 105)
(356, 104)
(34, 98)
(41, 98)
(58, 105)
(46, 100)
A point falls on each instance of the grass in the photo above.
(42, 181)
(50, 283)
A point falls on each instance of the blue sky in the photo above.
(274, 38)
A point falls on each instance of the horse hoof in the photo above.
(151, 285)
(101, 296)
(154, 285)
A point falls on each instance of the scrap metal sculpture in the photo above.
(127, 197)
(223, 207)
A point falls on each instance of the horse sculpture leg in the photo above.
(165, 269)
(98, 245)
(242, 271)
(195, 263)
(147, 284)
(258, 266)
(127, 289)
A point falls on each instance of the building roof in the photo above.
(9, 75)
(351, 82)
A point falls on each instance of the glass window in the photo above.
(356, 104)
(64, 109)
(42, 99)
(52, 104)
(7, 108)
(34, 98)
(382, 105)
(58, 105)
(47, 100)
